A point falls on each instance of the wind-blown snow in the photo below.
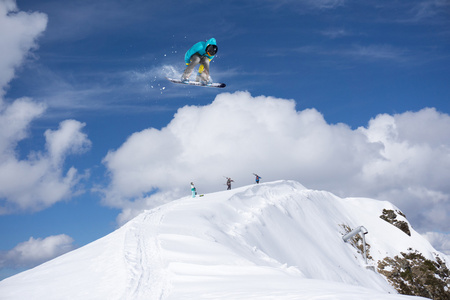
(276, 240)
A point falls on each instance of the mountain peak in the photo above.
(276, 240)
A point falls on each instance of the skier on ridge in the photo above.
(257, 178)
(229, 181)
(200, 53)
(193, 190)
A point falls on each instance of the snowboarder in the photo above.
(257, 178)
(201, 53)
(193, 190)
(229, 181)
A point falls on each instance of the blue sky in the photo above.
(369, 80)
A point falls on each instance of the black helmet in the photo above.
(211, 50)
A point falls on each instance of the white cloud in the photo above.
(234, 136)
(18, 32)
(39, 181)
(439, 241)
(14, 121)
(415, 171)
(67, 140)
(429, 9)
(36, 251)
(403, 158)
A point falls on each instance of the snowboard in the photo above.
(196, 83)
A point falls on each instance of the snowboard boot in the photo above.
(184, 79)
(203, 79)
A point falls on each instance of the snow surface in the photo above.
(275, 240)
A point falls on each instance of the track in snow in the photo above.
(142, 253)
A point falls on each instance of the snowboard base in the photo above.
(196, 83)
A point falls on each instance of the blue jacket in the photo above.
(199, 48)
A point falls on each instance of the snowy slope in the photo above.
(275, 240)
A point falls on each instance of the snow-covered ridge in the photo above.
(275, 240)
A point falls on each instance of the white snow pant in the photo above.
(203, 70)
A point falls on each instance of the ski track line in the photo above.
(141, 250)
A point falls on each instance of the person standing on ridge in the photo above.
(229, 181)
(193, 190)
(257, 178)
(201, 53)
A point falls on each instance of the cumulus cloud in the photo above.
(67, 140)
(415, 169)
(18, 31)
(14, 121)
(403, 158)
(39, 181)
(36, 251)
(234, 136)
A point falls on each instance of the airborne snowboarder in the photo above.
(200, 53)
